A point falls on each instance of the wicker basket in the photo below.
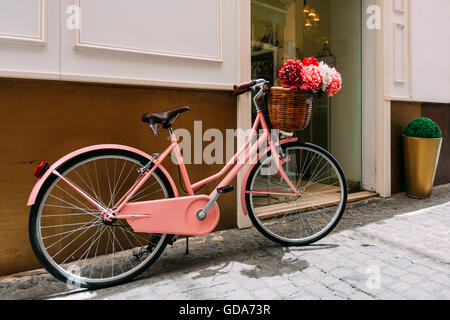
(288, 109)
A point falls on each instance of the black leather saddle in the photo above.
(163, 117)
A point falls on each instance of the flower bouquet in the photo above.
(290, 107)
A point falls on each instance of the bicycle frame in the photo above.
(186, 220)
(228, 178)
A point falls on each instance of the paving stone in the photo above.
(303, 296)
(360, 296)
(266, 294)
(288, 290)
(399, 286)
(252, 284)
(343, 289)
(431, 286)
(390, 295)
(275, 282)
(320, 290)
(418, 294)
(441, 278)
(411, 278)
(392, 271)
(445, 294)
(300, 280)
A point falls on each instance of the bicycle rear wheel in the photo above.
(297, 220)
(68, 234)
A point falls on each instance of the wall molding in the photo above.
(400, 20)
(383, 107)
(43, 29)
(145, 82)
(400, 39)
(399, 5)
(415, 100)
(79, 44)
(244, 102)
(15, 74)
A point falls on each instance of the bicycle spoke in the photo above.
(69, 233)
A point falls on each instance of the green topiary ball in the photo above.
(423, 128)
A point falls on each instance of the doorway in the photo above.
(331, 31)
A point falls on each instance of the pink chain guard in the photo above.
(171, 216)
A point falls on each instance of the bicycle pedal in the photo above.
(225, 189)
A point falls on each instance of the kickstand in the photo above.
(187, 245)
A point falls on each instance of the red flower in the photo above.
(336, 83)
(310, 61)
(290, 74)
(312, 80)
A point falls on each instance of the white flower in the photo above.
(325, 72)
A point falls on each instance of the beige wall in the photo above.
(46, 120)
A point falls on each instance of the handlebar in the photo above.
(242, 91)
(244, 87)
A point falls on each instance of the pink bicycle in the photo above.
(103, 214)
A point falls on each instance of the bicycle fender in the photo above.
(37, 187)
(250, 168)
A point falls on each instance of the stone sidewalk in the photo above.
(406, 256)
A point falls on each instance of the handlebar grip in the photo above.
(243, 85)
(242, 91)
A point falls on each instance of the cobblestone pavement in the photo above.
(395, 248)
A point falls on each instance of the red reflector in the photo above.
(40, 169)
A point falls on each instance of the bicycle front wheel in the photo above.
(68, 234)
(297, 220)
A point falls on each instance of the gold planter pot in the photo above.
(421, 157)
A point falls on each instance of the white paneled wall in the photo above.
(166, 43)
(24, 21)
(185, 29)
(431, 50)
(401, 54)
(417, 45)
(30, 38)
